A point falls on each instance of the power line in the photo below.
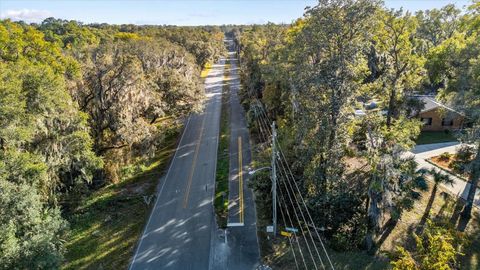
(303, 232)
(298, 219)
(283, 158)
(290, 240)
(265, 137)
(265, 119)
(308, 213)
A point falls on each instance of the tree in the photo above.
(205, 43)
(462, 91)
(393, 179)
(260, 57)
(32, 232)
(311, 76)
(45, 147)
(70, 35)
(435, 26)
(78, 100)
(395, 70)
(436, 248)
(403, 67)
(326, 69)
(126, 86)
(438, 178)
(37, 113)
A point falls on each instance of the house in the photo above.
(437, 117)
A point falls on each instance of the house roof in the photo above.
(430, 103)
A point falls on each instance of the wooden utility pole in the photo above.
(274, 179)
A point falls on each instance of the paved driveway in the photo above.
(425, 151)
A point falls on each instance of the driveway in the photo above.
(426, 151)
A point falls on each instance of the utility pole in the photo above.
(274, 179)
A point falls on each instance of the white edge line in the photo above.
(160, 193)
(235, 224)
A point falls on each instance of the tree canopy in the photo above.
(77, 102)
(347, 55)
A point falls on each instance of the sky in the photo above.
(180, 12)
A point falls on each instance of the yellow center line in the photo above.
(240, 178)
(192, 170)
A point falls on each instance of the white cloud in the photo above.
(27, 15)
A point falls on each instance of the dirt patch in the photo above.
(139, 189)
(442, 162)
(356, 164)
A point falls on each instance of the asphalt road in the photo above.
(242, 231)
(181, 229)
(238, 151)
(237, 246)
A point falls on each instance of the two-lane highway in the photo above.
(179, 231)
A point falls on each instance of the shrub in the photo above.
(350, 235)
(436, 248)
(465, 154)
(445, 157)
(462, 160)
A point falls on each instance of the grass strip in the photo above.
(221, 179)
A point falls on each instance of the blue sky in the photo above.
(180, 12)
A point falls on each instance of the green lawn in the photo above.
(106, 226)
(221, 185)
(427, 137)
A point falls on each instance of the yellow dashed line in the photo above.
(187, 192)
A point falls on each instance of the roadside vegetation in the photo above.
(435, 209)
(106, 225)
(310, 76)
(223, 159)
(82, 114)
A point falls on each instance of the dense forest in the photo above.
(77, 103)
(312, 75)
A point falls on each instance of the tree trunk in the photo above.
(473, 179)
(372, 221)
(391, 104)
(153, 120)
(334, 112)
